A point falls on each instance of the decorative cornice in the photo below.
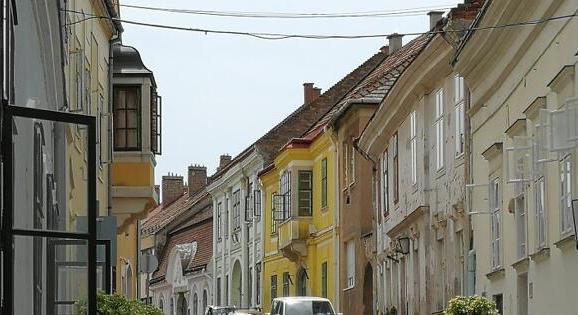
(534, 108)
(517, 128)
(493, 151)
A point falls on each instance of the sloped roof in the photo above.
(163, 215)
(376, 84)
(196, 232)
(306, 115)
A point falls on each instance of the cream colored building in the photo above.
(417, 138)
(523, 155)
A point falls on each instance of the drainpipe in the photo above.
(115, 40)
(336, 220)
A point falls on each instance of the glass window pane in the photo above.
(50, 275)
(132, 138)
(49, 187)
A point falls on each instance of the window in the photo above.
(540, 189)
(273, 286)
(305, 188)
(395, 170)
(352, 163)
(127, 118)
(285, 186)
(413, 145)
(249, 203)
(87, 88)
(219, 221)
(273, 214)
(161, 304)
(258, 283)
(520, 208)
(226, 290)
(257, 204)
(566, 194)
(324, 183)
(218, 301)
(302, 282)
(286, 282)
(226, 223)
(250, 286)
(195, 304)
(385, 184)
(205, 300)
(79, 79)
(496, 214)
(350, 251)
(459, 90)
(439, 128)
(237, 210)
(324, 279)
(346, 163)
(499, 300)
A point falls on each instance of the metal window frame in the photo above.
(8, 230)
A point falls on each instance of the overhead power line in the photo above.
(279, 36)
(283, 15)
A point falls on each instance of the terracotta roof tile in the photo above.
(198, 229)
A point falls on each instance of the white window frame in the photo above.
(496, 223)
(540, 201)
(459, 92)
(521, 226)
(350, 251)
(219, 221)
(439, 128)
(385, 183)
(565, 175)
(413, 145)
(352, 163)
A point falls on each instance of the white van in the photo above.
(301, 306)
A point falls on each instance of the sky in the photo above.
(223, 92)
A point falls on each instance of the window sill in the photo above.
(521, 265)
(324, 209)
(349, 288)
(440, 173)
(497, 273)
(541, 254)
(566, 241)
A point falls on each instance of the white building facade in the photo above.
(237, 231)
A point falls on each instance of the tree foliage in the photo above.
(116, 304)
(471, 305)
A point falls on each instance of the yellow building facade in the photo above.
(136, 112)
(300, 241)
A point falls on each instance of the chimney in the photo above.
(172, 188)
(224, 159)
(384, 50)
(434, 18)
(197, 178)
(394, 42)
(310, 93)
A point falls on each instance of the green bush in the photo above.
(471, 305)
(116, 304)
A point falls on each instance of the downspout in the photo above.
(116, 39)
(336, 225)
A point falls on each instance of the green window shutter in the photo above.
(324, 183)
(305, 188)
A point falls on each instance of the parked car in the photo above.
(301, 306)
(220, 310)
(248, 312)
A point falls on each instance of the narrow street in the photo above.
(326, 157)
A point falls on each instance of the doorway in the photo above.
(523, 294)
(368, 290)
(237, 285)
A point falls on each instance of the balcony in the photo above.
(293, 234)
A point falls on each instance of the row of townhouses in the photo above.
(80, 120)
(444, 166)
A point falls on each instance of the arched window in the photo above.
(204, 301)
(195, 304)
(161, 304)
(127, 289)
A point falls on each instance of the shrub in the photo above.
(116, 304)
(471, 305)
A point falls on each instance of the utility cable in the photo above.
(279, 36)
(281, 15)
